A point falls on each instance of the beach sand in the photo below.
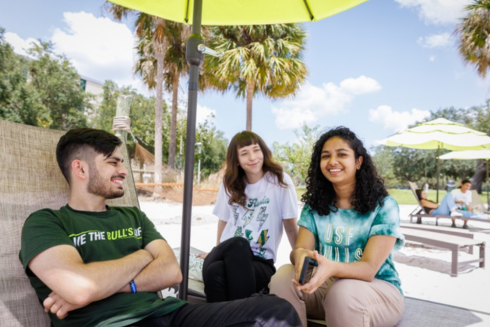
(424, 272)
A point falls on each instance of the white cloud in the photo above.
(360, 85)
(313, 102)
(20, 45)
(432, 58)
(437, 11)
(395, 121)
(204, 113)
(98, 47)
(436, 40)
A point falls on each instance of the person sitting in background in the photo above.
(462, 198)
(447, 207)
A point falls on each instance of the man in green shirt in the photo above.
(95, 265)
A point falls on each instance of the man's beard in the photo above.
(97, 186)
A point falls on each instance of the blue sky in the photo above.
(375, 68)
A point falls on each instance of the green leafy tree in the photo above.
(143, 127)
(58, 86)
(383, 160)
(214, 146)
(264, 59)
(296, 157)
(473, 36)
(41, 91)
(175, 66)
(19, 101)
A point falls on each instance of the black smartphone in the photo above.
(306, 263)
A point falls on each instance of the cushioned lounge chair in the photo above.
(30, 180)
(420, 213)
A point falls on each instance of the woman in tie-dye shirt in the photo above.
(350, 227)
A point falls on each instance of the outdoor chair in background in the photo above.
(420, 213)
(30, 180)
(476, 201)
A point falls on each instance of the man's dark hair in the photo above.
(79, 144)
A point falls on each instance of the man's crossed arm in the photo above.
(76, 284)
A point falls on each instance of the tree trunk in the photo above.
(250, 96)
(479, 176)
(160, 54)
(173, 123)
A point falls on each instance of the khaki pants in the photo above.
(342, 302)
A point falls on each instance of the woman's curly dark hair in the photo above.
(320, 195)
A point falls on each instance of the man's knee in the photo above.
(275, 310)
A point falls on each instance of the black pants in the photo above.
(232, 272)
(256, 311)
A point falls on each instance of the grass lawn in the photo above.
(404, 196)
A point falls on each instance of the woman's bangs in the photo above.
(246, 139)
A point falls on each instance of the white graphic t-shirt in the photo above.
(460, 196)
(260, 222)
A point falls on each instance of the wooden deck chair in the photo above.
(420, 213)
(30, 180)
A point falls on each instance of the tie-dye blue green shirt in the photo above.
(342, 235)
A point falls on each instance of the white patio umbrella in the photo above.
(469, 155)
(440, 134)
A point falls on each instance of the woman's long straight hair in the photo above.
(234, 179)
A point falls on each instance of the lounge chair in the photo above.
(420, 213)
(30, 180)
(476, 201)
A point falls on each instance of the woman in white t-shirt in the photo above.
(254, 202)
(462, 197)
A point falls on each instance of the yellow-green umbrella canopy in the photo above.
(440, 133)
(241, 12)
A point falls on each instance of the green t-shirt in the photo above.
(342, 236)
(97, 236)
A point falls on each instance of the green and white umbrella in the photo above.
(222, 12)
(469, 155)
(440, 134)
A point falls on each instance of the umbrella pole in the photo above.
(195, 60)
(437, 173)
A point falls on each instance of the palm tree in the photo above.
(473, 34)
(175, 65)
(263, 59)
(147, 26)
